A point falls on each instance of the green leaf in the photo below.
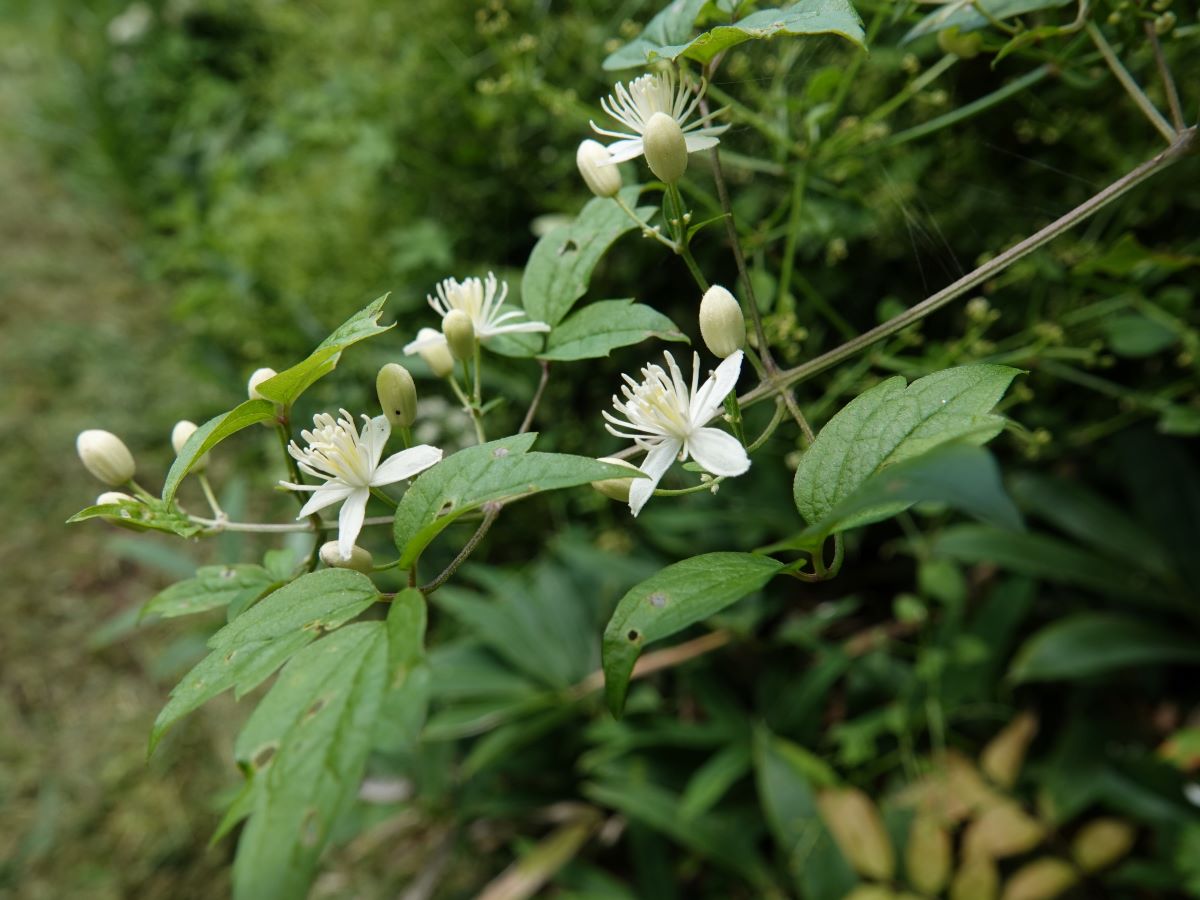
(406, 698)
(212, 433)
(891, 423)
(959, 475)
(211, 587)
(602, 326)
(1098, 643)
(1046, 557)
(1134, 335)
(561, 263)
(306, 746)
(671, 600)
(141, 515)
(289, 384)
(712, 780)
(963, 15)
(788, 778)
(256, 643)
(801, 19)
(671, 25)
(493, 472)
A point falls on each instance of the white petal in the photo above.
(432, 339)
(350, 520)
(405, 464)
(718, 452)
(513, 329)
(713, 392)
(696, 142)
(375, 435)
(624, 150)
(656, 463)
(324, 496)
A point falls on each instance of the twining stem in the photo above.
(1180, 146)
(378, 494)
(1131, 87)
(527, 422)
(488, 518)
(694, 489)
(1165, 74)
(771, 426)
(648, 230)
(211, 498)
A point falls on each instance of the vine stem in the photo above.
(1164, 72)
(219, 525)
(1131, 87)
(527, 422)
(488, 518)
(1180, 146)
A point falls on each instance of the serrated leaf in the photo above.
(788, 778)
(256, 643)
(307, 745)
(600, 327)
(212, 433)
(1098, 643)
(671, 600)
(891, 423)
(141, 515)
(497, 471)
(562, 262)
(802, 19)
(965, 15)
(959, 475)
(211, 587)
(289, 384)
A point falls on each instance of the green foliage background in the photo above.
(218, 192)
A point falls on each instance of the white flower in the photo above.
(634, 104)
(348, 463)
(667, 420)
(479, 300)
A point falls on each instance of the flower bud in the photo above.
(857, 828)
(1002, 758)
(259, 376)
(110, 498)
(927, 855)
(722, 324)
(360, 560)
(615, 488)
(438, 356)
(1102, 842)
(460, 334)
(105, 456)
(179, 436)
(1042, 879)
(602, 177)
(976, 879)
(665, 148)
(397, 395)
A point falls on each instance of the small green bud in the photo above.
(1164, 23)
(722, 324)
(665, 148)
(602, 177)
(397, 395)
(105, 456)
(259, 376)
(615, 488)
(360, 560)
(437, 357)
(460, 334)
(179, 436)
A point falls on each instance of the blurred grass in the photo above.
(80, 335)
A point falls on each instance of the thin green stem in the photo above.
(1179, 147)
(211, 497)
(219, 525)
(378, 494)
(771, 426)
(1131, 87)
(527, 422)
(1164, 73)
(793, 235)
(735, 417)
(469, 407)
(694, 489)
(648, 230)
(406, 436)
(464, 554)
(675, 219)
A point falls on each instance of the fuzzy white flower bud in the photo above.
(437, 357)
(615, 488)
(722, 324)
(105, 456)
(603, 178)
(460, 333)
(109, 498)
(360, 560)
(179, 436)
(397, 395)
(259, 376)
(665, 148)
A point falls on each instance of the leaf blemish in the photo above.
(633, 634)
(315, 708)
(569, 247)
(263, 756)
(658, 599)
(500, 452)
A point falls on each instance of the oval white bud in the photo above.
(108, 498)
(360, 560)
(105, 456)
(602, 177)
(460, 333)
(259, 376)
(397, 395)
(179, 436)
(438, 356)
(615, 488)
(665, 148)
(722, 324)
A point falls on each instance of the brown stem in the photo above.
(493, 510)
(1165, 74)
(659, 660)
